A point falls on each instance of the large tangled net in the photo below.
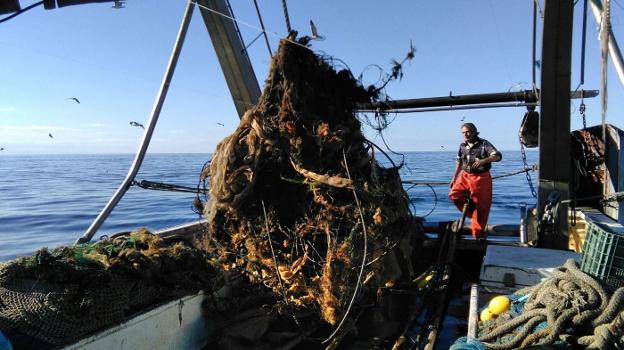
(297, 197)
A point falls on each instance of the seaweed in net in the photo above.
(282, 208)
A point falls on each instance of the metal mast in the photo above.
(554, 127)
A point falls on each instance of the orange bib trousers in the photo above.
(479, 188)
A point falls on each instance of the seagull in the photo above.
(220, 124)
(133, 123)
(50, 134)
(315, 34)
(119, 4)
(462, 119)
(442, 147)
(73, 98)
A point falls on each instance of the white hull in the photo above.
(177, 324)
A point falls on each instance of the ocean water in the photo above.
(50, 200)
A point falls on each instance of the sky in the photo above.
(113, 61)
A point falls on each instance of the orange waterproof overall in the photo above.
(480, 186)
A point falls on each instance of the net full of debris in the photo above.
(298, 202)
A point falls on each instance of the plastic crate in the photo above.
(603, 255)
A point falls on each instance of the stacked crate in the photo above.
(603, 254)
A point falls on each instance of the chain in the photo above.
(582, 111)
(526, 167)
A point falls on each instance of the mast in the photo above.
(554, 127)
(235, 64)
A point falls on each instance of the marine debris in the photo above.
(54, 297)
(299, 203)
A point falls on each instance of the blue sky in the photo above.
(113, 62)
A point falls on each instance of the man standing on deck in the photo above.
(472, 178)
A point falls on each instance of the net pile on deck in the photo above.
(295, 192)
(55, 297)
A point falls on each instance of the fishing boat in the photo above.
(543, 235)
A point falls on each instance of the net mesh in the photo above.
(60, 295)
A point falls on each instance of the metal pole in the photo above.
(523, 224)
(614, 50)
(554, 124)
(473, 317)
(519, 97)
(138, 159)
(233, 58)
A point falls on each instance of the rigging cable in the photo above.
(277, 35)
(584, 35)
(535, 91)
(238, 32)
(285, 7)
(582, 107)
(266, 38)
(534, 87)
(605, 28)
(21, 11)
(430, 184)
(442, 183)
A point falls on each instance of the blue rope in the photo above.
(517, 304)
(463, 344)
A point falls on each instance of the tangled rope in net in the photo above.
(288, 156)
(57, 296)
(570, 307)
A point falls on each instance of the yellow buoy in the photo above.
(486, 314)
(499, 304)
(425, 281)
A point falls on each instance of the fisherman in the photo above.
(472, 178)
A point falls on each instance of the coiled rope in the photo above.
(558, 309)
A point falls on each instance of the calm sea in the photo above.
(50, 200)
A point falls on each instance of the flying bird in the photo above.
(73, 98)
(50, 135)
(1, 148)
(133, 123)
(462, 119)
(119, 4)
(442, 147)
(315, 35)
(220, 124)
